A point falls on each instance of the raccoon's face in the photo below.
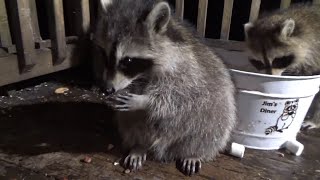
(291, 106)
(124, 35)
(271, 49)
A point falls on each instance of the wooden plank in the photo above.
(47, 43)
(9, 71)
(85, 14)
(226, 44)
(180, 9)
(35, 23)
(57, 30)
(316, 2)
(202, 17)
(285, 4)
(255, 9)
(226, 21)
(5, 35)
(23, 33)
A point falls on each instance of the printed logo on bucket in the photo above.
(286, 118)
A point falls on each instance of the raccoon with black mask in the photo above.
(184, 108)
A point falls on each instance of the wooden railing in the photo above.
(224, 40)
(23, 51)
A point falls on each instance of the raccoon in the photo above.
(173, 96)
(287, 42)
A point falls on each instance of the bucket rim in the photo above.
(280, 96)
(275, 76)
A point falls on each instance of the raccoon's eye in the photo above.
(126, 62)
(282, 62)
(257, 64)
(133, 66)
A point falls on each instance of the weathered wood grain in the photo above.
(180, 9)
(226, 21)
(23, 33)
(202, 17)
(57, 30)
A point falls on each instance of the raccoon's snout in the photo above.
(108, 88)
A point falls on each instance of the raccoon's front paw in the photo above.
(134, 161)
(129, 102)
(189, 166)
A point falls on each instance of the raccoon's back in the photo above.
(306, 17)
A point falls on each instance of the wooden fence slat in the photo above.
(47, 43)
(316, 2)
(255, 9)
(285, 4)
(35, 23)
(5, 35)
(57, 31)
(202, 17)
(226, 21)
(23, 33)
(180, 9)
(78, 16)
(85, 14)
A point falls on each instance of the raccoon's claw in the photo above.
(121, 107)
(128, 102)
(189, 166)
(134, 161)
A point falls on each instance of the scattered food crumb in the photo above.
(87, 159)
(61, 90)
(318, 171)
(127, 171)
(116, 163)
(280, 154)
(110, 146)
(65, 178)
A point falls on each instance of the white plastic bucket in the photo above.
(271, 109)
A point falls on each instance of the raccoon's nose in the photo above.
(110, 90)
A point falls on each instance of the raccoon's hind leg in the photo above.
(189, 166)
(135, 159)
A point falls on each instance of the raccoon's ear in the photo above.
(247, 28)
(105, 3)
(159, 17)
(287, 29)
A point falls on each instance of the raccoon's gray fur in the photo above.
(184, 109)
(287, 42)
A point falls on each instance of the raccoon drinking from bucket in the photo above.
(179, 100)
(287, 42)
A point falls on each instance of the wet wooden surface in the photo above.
(44, 135)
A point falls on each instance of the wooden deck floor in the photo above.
(44, 135)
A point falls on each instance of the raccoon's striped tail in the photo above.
(270, 130)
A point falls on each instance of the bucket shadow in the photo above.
(53, 127)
